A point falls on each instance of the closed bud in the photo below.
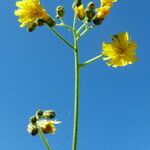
(32, 129)
(60, 11)
(91, 6)
(98, 21)
(33, 119)
(90, 14)
(49, 114)
(76, 3)
(31, 27)
(39, 114)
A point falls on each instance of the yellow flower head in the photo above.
(29, 11)
(121, 51)
(80, 11)
(104, 10)
(48, 126)
(107, 2)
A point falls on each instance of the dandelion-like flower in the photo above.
(29, 11)
(48, 126)
(121, 51)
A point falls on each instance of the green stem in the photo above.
(44, 140)
(61, 37)
(65, 25)
(81, 27)
(74, 22)
(76, 100)
(68, 27)
(84, 32)
(90, 61)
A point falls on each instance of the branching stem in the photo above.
(90, 61)
(61, 37)
(78, 66)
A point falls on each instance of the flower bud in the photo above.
(90, 14)
(98, 21)
(49, 114)
(39, 114)
(33, 119)
(91, 6)
(31, 27)
(60, 11)
(76, 3)
(32, 129)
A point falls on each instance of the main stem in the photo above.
(77, 90)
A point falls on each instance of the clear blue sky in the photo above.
(36, 71)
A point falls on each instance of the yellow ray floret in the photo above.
(121, 51)
(29, 11)
(102, 12)
(107, 2)
(104, 9)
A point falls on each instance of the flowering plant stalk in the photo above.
(120, 52)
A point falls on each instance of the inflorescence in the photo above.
(43, 120)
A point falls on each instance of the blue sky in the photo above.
(37, 71)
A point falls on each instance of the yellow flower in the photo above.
(121, 51)
(29, 11)
(104, 10)
(80, 12)
(48, 126)
(107, 2)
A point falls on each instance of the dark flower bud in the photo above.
(91, 6)
(32, 129)
(90, 14)
(60, 11)
(49, 114)
(39, 113)
(31, 27)
(98, 21)
(76, 3)
(33, 119)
